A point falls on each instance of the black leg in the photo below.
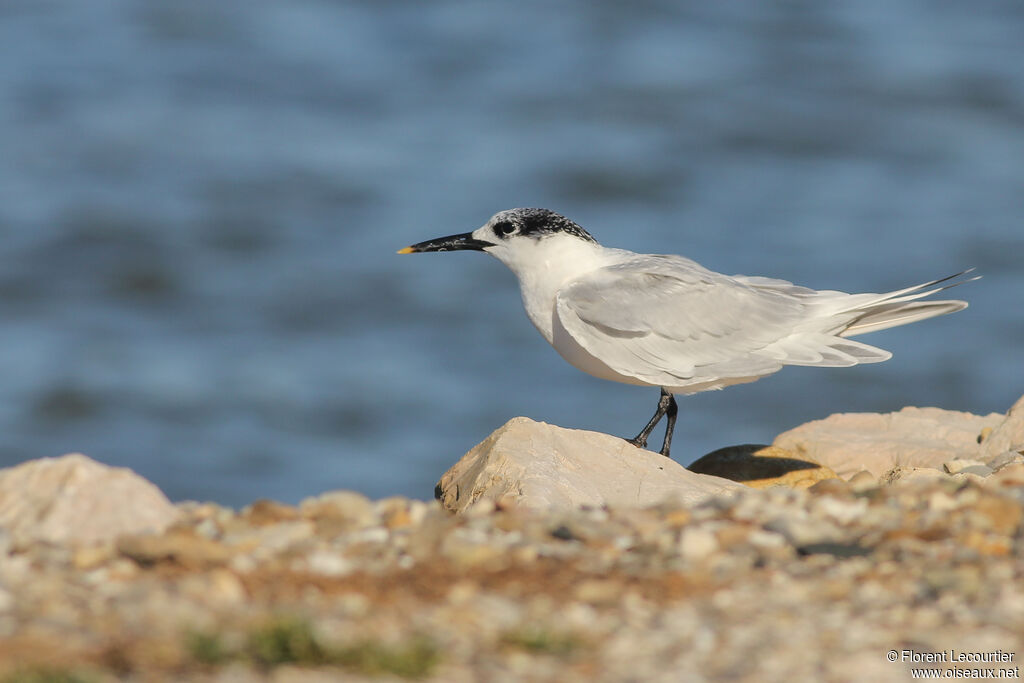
(670, 426)
(665, 404)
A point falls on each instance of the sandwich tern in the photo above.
(666, 321)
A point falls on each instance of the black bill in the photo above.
(462, 242)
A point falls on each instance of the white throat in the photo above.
(544, 266)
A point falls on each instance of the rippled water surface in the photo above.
(200, 204)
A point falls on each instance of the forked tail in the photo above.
(882, 311)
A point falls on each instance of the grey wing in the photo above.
(668, 321)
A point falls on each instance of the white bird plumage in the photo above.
(666, 321)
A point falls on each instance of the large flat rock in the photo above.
(878, 442)
(538, 465)
(75, 500)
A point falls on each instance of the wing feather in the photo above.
(666, 319)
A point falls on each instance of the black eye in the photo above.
(504, 229)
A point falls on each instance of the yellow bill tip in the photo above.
(405, 250)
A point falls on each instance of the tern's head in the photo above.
(516, 237)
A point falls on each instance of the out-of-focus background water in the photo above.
(200, 204)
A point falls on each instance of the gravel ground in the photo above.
(767, 585)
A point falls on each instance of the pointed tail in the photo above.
(880, 312)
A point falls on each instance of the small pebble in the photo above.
(595, 594)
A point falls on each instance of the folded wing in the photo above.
(668, 321)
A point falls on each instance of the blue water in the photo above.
(200, 204)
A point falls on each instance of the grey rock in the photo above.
(538, 465)
(977, 470)
(75, 500)
(912, 437)
(960, 464)
(1003, 459)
